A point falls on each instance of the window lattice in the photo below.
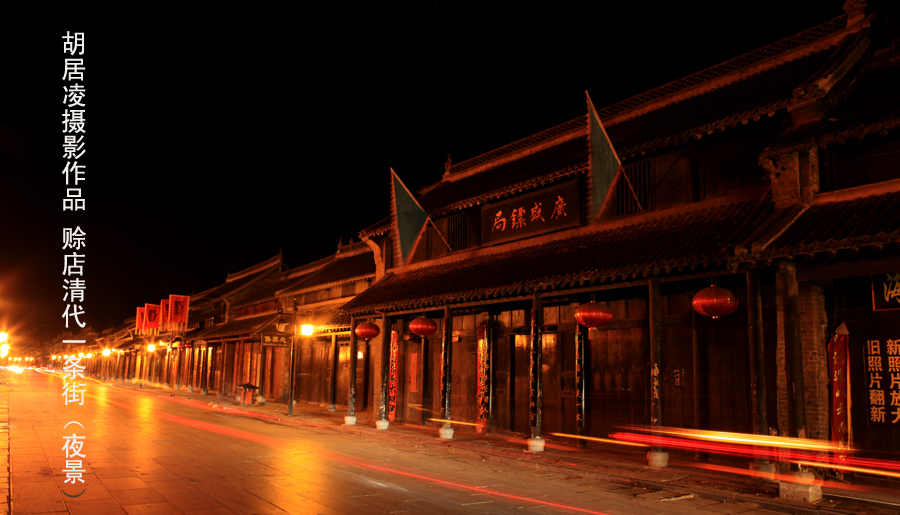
(642, 177)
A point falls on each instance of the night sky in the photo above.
(210, 146)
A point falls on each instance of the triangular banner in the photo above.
(605, 162)
(409, 218)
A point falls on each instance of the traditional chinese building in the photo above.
(322, 358)
(215, 338)
(773, 176)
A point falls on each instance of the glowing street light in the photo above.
(106, 352)
(151, 347)
(306, 330)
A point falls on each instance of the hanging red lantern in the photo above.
(367, 330)
(593, 315)
(715, 302)
(423, 326)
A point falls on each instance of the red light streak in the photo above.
(465, 487)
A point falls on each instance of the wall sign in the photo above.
(275, 340)
(414, 372)
(886, 292)
(883, 377)
(392, 376)
(837, 360)
(483, 375)
(547, 209)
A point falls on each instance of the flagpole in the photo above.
(439, 234)
(640, 208)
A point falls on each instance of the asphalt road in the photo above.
(155, 454)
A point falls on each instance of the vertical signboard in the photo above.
(579, 375)
(883, 377)
(837, 360)
(414, 372)
(483, 376)
(392, 376)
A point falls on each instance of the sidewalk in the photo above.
(721, 481)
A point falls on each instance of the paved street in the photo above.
(151, 453)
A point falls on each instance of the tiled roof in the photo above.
(377, 228)
(699, 237)
(751, 58)
(831, 226)
(247, 326)
(574, 125)
(202, 314)
(738, 102)
(339, 270)
(553, 163)
(232, 286)
(271, 291)
(872, 106)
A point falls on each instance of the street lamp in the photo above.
(293, 337)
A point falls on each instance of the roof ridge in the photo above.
(735, 64)
(544, 136)
(276, 260)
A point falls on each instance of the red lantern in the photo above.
(367, 330)
(593, 315)
(423, 326)
(715, 302)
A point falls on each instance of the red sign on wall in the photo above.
(413, 372)
(392, 376)
(483, 376)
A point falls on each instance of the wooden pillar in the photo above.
(190, 368)
(350, 419)
(209, 368)
(492, 375)
(332, 387)
(237, 368)
(757, 363)
(700, 379)
(446, 430)
(581, 334)
(536, 443)
(793, 366)
(204, 367)
(385, 369)
(793, 351)
(423, 385)
(657, 457)
(176, 373)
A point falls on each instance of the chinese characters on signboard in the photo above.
(546, 210)
(886, 292)
(580, 336)
(838, 353)
(483, 375)
(392, 376)
(275, 340)
(883, 377)
(414, 372)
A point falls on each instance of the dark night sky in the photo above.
(212, 146)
